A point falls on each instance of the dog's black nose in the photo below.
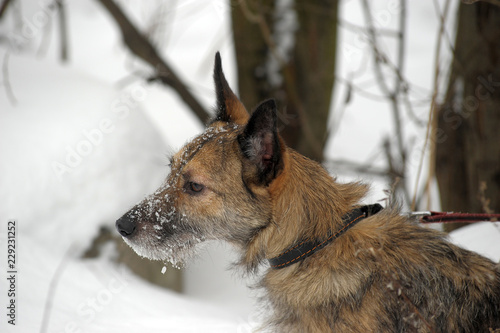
(125, 226)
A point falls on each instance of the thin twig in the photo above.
(361, 29)
(3, 7)
(401, 48)
(399, 83)
(63, 29)
(6, 80)
(403, 85)
(493, 2)
(390, 161)
(485, 203)
(430, 134)
(379, 58)
(264, 29)
(54, 283)
(340, 111)
(358, 168)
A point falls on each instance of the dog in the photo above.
(331, 263)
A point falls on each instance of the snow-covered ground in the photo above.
(86, 140)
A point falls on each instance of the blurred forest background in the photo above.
(441, 149)
(288, 49)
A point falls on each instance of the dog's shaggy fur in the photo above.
(240, 183)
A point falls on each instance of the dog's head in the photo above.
(218, 184)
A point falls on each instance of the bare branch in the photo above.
(379, 59)
(6, 80)
(360, 29)
(359, 168)
(63, 29)
(3, 7)
(54, 283)
(432, 120)
(493, 2)
(142, 48)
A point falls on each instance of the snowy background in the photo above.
(84, 141)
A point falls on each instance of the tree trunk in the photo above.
(306, 90)
(468, 148)
(251, 51)
(314, 68)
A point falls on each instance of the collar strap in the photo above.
(308, 247)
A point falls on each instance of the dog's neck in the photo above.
(307, 203)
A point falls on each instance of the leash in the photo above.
(308, 247)
(452, 217)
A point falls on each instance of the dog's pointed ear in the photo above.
(229, 107)
(261, 144)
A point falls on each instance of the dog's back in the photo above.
(431, 285)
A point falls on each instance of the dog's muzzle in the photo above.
(125, 226)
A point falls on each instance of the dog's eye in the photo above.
(194, 187)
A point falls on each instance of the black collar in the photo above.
(306, 248)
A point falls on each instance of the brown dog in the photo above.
(334, 265)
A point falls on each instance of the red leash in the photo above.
(451, 217)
